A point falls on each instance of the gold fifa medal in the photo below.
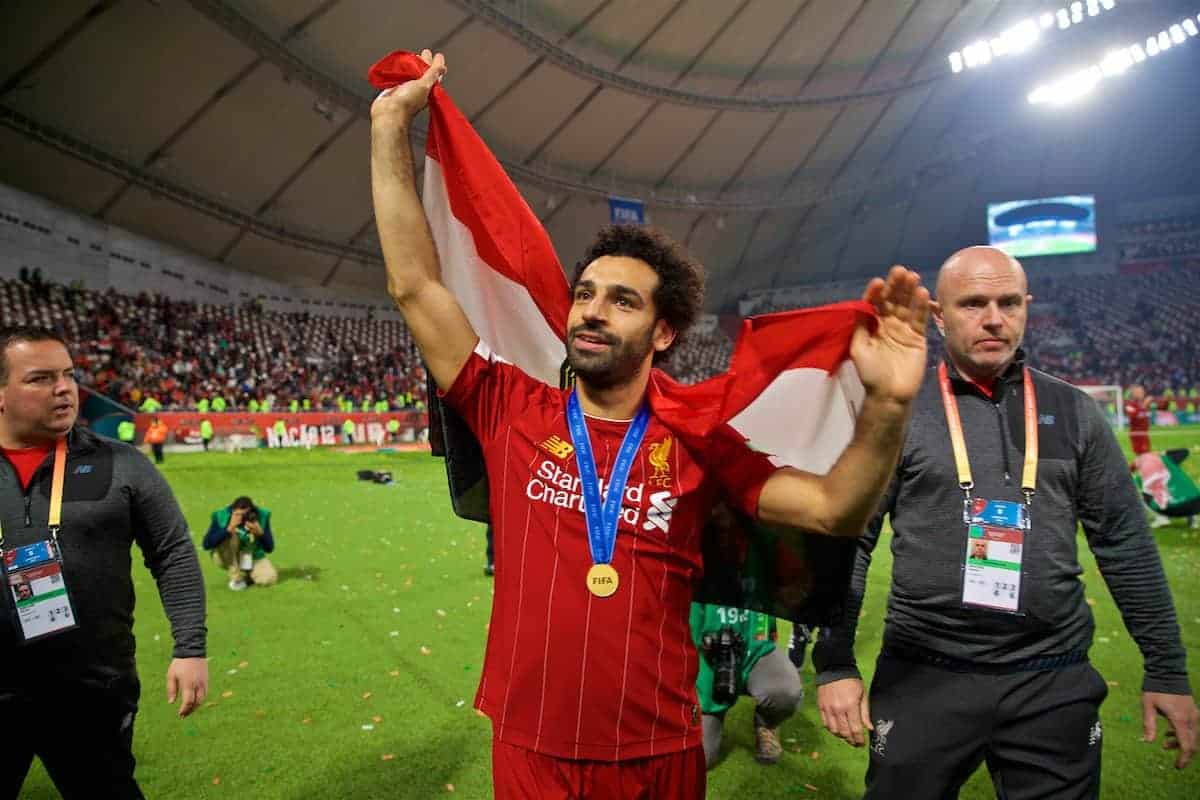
(602, 580)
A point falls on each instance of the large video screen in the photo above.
(1052, 226)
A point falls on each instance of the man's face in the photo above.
(41, 398)
(981, 310)
(612, 327)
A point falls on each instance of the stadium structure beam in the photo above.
(49, 51)
(337, 265)
(783, 255)
(551, 177)
(870, 128)
(173, 190)
(799, 169)
(599, 86)
(265, 206)
(501, 20)
(228, 86)
(763, 138)
(529, 70)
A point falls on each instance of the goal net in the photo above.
(1111, 400)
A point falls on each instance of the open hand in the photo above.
(891, 362)
(401, 103)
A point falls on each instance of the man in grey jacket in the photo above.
(71, 506)
(985, 644)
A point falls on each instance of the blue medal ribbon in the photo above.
(602, 519)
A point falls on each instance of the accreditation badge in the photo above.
(33, 575)
(994, 549)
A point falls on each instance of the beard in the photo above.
(612, 367)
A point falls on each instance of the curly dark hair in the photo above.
(679, 297)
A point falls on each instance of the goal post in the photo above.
(1111, 399)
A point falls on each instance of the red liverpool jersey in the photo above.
(1138, 417)
(567, 673)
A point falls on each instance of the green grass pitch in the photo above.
(353, 678)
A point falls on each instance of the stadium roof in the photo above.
(785, 142)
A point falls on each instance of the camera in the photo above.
(251, 515)
(724, 650)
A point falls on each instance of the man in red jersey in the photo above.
(1137, 412)
(589, 675)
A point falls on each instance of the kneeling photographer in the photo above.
(239, 538)
(738, 656)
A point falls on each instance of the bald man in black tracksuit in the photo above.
(959, 683)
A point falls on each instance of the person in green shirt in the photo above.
(306, 404)
(150, 405)
(294, 406)
(202, 405)
(393, 429)
(206, 433)
(126, 431)
(218, 404)
(239, 538)
(381, 406)
(348, 431)
(366, 403)
(746, 641)
(280, 428)
(266, 405)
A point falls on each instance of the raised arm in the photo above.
(891, 365)
(437, 322)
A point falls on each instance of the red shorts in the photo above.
(1140, 442)
(520, 774)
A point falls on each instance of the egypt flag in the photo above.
(791, 389)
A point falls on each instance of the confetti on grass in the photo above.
(388, 756)
(227, 693)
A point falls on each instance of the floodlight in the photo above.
(1164, 41)
(1176, 34)
(1047, 20)
(1064, 19)
(1116, 62)
(1139, 55)
(1152, 46)
(1093, 7)
(1190, 27)
(956, 62)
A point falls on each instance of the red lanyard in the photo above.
(962, 464)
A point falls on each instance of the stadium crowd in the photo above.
(180, 354)
(1137, 329)
(1171, 237)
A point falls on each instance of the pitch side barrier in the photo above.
(303, 429)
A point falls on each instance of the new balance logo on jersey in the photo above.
(556, 447)
(1095, 735)
(659, 513)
